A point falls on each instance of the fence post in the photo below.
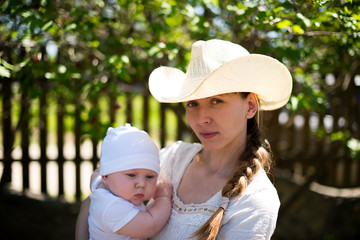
(7, 132)
(43, 135)
(162, 125)
(181, 128)
(94, 138)
(129, 108)
(146, 112)
(112, 104)
(60, 142)
(24, 116)
(77, 147)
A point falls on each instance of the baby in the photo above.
(129, 168)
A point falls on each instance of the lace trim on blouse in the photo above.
(192, 214)
(179, 207)
(207, 208)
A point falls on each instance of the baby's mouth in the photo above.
(139, 195)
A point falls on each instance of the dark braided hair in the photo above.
(252, 159)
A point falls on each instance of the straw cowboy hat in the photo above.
(218, 67)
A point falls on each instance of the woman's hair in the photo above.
(256, 155)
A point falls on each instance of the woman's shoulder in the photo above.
(175, 158)
(261, 193)
(179, 148)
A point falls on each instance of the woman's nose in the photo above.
(204, 116)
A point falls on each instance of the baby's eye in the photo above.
(130, 175)
(150, 176)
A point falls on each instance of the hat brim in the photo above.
(256, 73)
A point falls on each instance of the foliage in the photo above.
(87, 49)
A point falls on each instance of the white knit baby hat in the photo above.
(125, 148)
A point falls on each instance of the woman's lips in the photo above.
(208, 135)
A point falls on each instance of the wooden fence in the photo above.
(298, 151)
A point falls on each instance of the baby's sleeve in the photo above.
(118, 214)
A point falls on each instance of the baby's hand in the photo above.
(163, 189)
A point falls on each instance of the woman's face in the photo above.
(220, 121)
(134, 185)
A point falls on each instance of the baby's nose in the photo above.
(140, 183)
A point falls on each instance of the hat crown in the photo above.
(207, 56)
(125, 141)
(126, 147)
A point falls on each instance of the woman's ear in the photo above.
(253, 105)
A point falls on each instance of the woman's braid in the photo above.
(253, 158)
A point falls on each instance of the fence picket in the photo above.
(60, 142)
(43, 135)
(8, 135)
(77, 160)
(24, 127)
(162, 125)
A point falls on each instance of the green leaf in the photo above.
(304, 19)
(4, 6)
(294, 102)
(297, 29)
(284, 24)
(50, 75)
(76, 75)
(354, 145)
(338, 136)
(95, 44)
(24, 63)
(62, 69)
(47, 26)
(4, 72)
(70, 27)
(174, 21)
(7, 65)
(125, 59)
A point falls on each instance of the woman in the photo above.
(221, 189)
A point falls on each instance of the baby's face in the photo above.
(135, 185)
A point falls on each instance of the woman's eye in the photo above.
(191, 104)
(217, 101)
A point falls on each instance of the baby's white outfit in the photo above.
(108, 214)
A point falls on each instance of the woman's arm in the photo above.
(148, 224)
(82, 225)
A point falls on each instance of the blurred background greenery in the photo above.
(78, 67)
(83, 46)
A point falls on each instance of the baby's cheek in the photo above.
(152, 189)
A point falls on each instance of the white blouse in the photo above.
(252, 216)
